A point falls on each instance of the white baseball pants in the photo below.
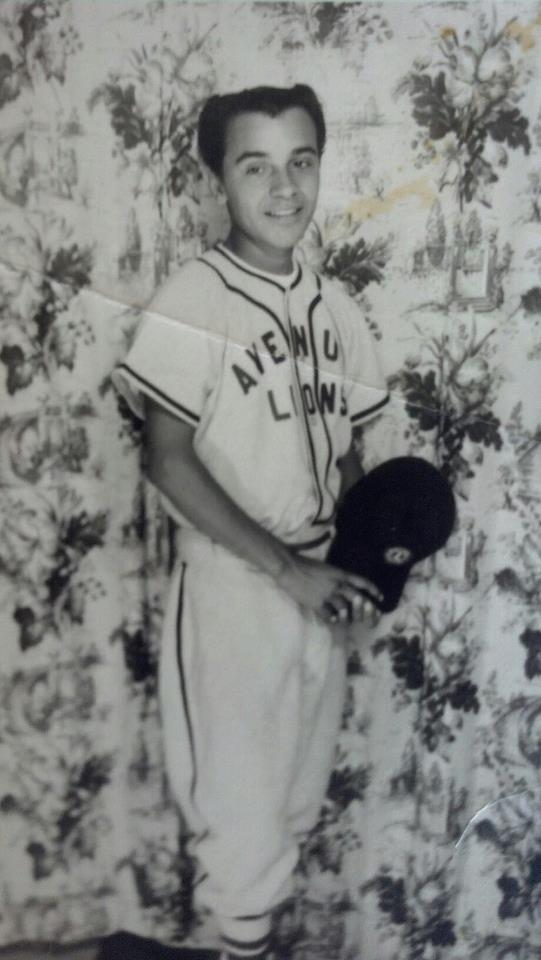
(252, 692)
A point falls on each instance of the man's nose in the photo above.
(282, 182)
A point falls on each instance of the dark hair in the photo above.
(272, 101)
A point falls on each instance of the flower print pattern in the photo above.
(531, 639)
(451, 398)
(427, 844)
(314, 25)
(156, 138)
(41, 321)
(466, 101)
(441, 687)
(40, 38)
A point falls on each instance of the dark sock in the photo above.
(238, 956)
(130, 946)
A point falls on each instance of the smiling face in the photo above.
(270, 177)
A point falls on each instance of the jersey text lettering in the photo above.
(300, 342)
(256, 359)
(327, 397)
(268, 340)
(293, 399)
(309, 401)
(274, 409)
(330, 354)
(245, 380)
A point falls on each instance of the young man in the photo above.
(251, 373)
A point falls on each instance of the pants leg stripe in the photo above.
(182, 678)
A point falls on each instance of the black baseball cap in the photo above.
(396, 515)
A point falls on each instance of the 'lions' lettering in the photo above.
(327, 397)
(309, 401)
(274, 409)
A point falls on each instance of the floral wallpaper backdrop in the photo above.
(430, 216)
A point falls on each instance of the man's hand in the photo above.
(174, 467)
(333, 594)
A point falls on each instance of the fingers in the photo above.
(350, 603)
(329, 613)
(346, 605)
(359, 603)
(360, 584)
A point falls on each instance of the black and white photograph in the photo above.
(270, 480)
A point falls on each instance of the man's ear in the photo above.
(213, 186)
(220, 192)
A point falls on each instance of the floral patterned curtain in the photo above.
(430, 215)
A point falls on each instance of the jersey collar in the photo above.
(282, 281)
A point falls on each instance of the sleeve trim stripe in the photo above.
(160, 395)
(365, 413)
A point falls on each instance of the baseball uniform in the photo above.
(272, 372)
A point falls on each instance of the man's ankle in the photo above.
(229, 955)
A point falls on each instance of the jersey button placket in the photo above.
(297, 389)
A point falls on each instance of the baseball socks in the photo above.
(245, 950)
(256, 950)
(226, 955)
(245, 938)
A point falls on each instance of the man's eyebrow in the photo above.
(260, 154)
(250, 154)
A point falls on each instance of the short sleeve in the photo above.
(365, 385)
(176, 355)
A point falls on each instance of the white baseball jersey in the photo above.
(272, 372)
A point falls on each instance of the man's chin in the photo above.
(285, 236)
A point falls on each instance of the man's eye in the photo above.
(304, 163)
(255, 168)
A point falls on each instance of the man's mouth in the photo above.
(279, 214)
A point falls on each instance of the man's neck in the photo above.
(280, 265)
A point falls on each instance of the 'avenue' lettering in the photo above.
(268, 340)
(300, 342)
(300, 348)
(331, 355)
(246, 381)
(254, 356)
